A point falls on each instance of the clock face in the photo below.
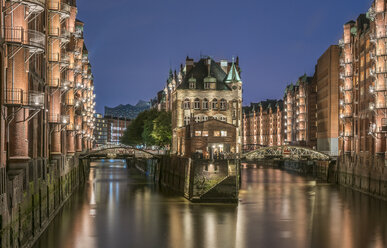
(234, 87)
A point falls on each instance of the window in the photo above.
(192, 85)
(214, 104)
(223, 133)
(197, 118)
(187, 104)
(205, 103)
(186, 120)
(198, 133)
(216, 133)
(207, 85)
(223, 104)
(197, 103)
(205, 133)
(205, 118)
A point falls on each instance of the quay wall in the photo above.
(198, 180)
(35, 194)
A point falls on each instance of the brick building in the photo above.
(363, 83)
(208, 90)
(327, 76)
(263, 124)
(116, 127)
(47, 106)
(300, 112)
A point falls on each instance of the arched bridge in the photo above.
(286, 153)
(118, 151)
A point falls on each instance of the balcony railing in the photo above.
(29, 38)
(381, 105)
(54, 82)
(28, 99)
(70, 101)
(53, 57)
(62, 8)
(54, 118)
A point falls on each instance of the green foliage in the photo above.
(151, 127)
(162, 129)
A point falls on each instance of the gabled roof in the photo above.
(200, 72)
(233, 75)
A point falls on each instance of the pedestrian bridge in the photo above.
(294, 153)
(118, 152)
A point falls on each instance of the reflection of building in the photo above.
(300, 112)
(209, 90)
(101, 130)
(262, 124)
(327, 76)
(116, 127)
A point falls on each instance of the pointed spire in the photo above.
(233, 75)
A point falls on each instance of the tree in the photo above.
(162, 129)
(140, 130)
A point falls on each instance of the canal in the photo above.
(118, 207)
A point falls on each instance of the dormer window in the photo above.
(192, 83)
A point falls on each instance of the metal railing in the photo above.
(24, 37)
(56, 5)
(30, 2)
(54, 82)
(53, 57)
(19, 97)
(54, 118)
(69, 101)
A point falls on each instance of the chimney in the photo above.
(189, 63)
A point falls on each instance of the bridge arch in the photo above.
(118, 151)
(286, 153)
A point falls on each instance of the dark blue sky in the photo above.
(132, 44)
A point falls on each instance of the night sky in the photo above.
(132, 44)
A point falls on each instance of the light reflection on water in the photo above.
(120, 208)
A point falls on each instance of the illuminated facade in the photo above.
(363, 83)
(263, 124)
(47, 103)
(300, 113)
(209, 90)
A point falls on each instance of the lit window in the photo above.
(205, 133)
(216, 133)
(198, 133)
(186, 120)
(223, 133)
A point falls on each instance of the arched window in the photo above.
(223, 104)
(205, 104)
(214, 104)
(187, 104)
(197, 103)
